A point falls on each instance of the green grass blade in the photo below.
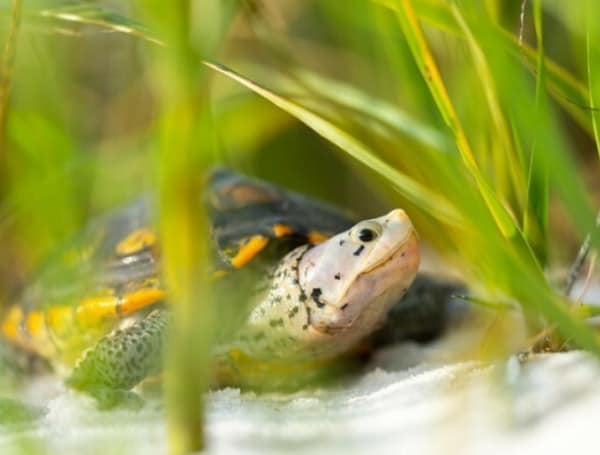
(592, 39)
(535, 223)
(185, 154)
(424, 58)
(430, 202)
(385, 113)
(6, 68)
(506, 157)
(342, 100)
(566, 89)
(98, 16)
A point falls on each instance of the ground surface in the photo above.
(413, 399)
(545, 406)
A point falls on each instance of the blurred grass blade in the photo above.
(184, 156)
(535, 223)
(555, 150)
(569, 92)
(430, 202)
(506, 156)
(425, 61)
(328, 96)
(592, 38)
(96, 15)
(374, 108)
(6, 69)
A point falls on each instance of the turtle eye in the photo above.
(366, 231)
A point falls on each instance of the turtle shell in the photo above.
(111, 270)
(248, 215)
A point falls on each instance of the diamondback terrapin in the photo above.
(313, 284)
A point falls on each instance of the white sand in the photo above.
(408, 403)
(547, 406)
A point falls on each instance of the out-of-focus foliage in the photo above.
(479, 117)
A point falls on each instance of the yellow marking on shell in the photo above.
(281, 230)
(139, 299)
(136, 241)
(38, 338)
(249, 250)
(28, 331)
(95, 310)
(60, 319)
(12, 322)
(36, 326)
(317, 237)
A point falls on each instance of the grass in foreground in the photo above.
(484, 127)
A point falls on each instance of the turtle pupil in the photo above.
(366, 235)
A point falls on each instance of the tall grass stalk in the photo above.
(535, 223)
(429, 69)
(184, 156)
(6, 67)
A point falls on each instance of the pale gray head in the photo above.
(327, 297)
(353, 278)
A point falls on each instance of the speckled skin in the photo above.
(124, 357)
(325, 298)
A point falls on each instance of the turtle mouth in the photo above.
(389, 258)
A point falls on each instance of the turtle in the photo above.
(311, 286)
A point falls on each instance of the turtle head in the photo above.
(352, 279)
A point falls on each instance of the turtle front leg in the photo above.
(425, 311)
(122, 359)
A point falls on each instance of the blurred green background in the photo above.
(81, 124)
(478, 117)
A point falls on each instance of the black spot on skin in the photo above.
(288, 297)
(402, 255)
(305, 326)
(302, 297)
(337, 276)
(315, 295)
(359, 250)
(276, 322)
(342, 242)
(344, 306)
(293, 312)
